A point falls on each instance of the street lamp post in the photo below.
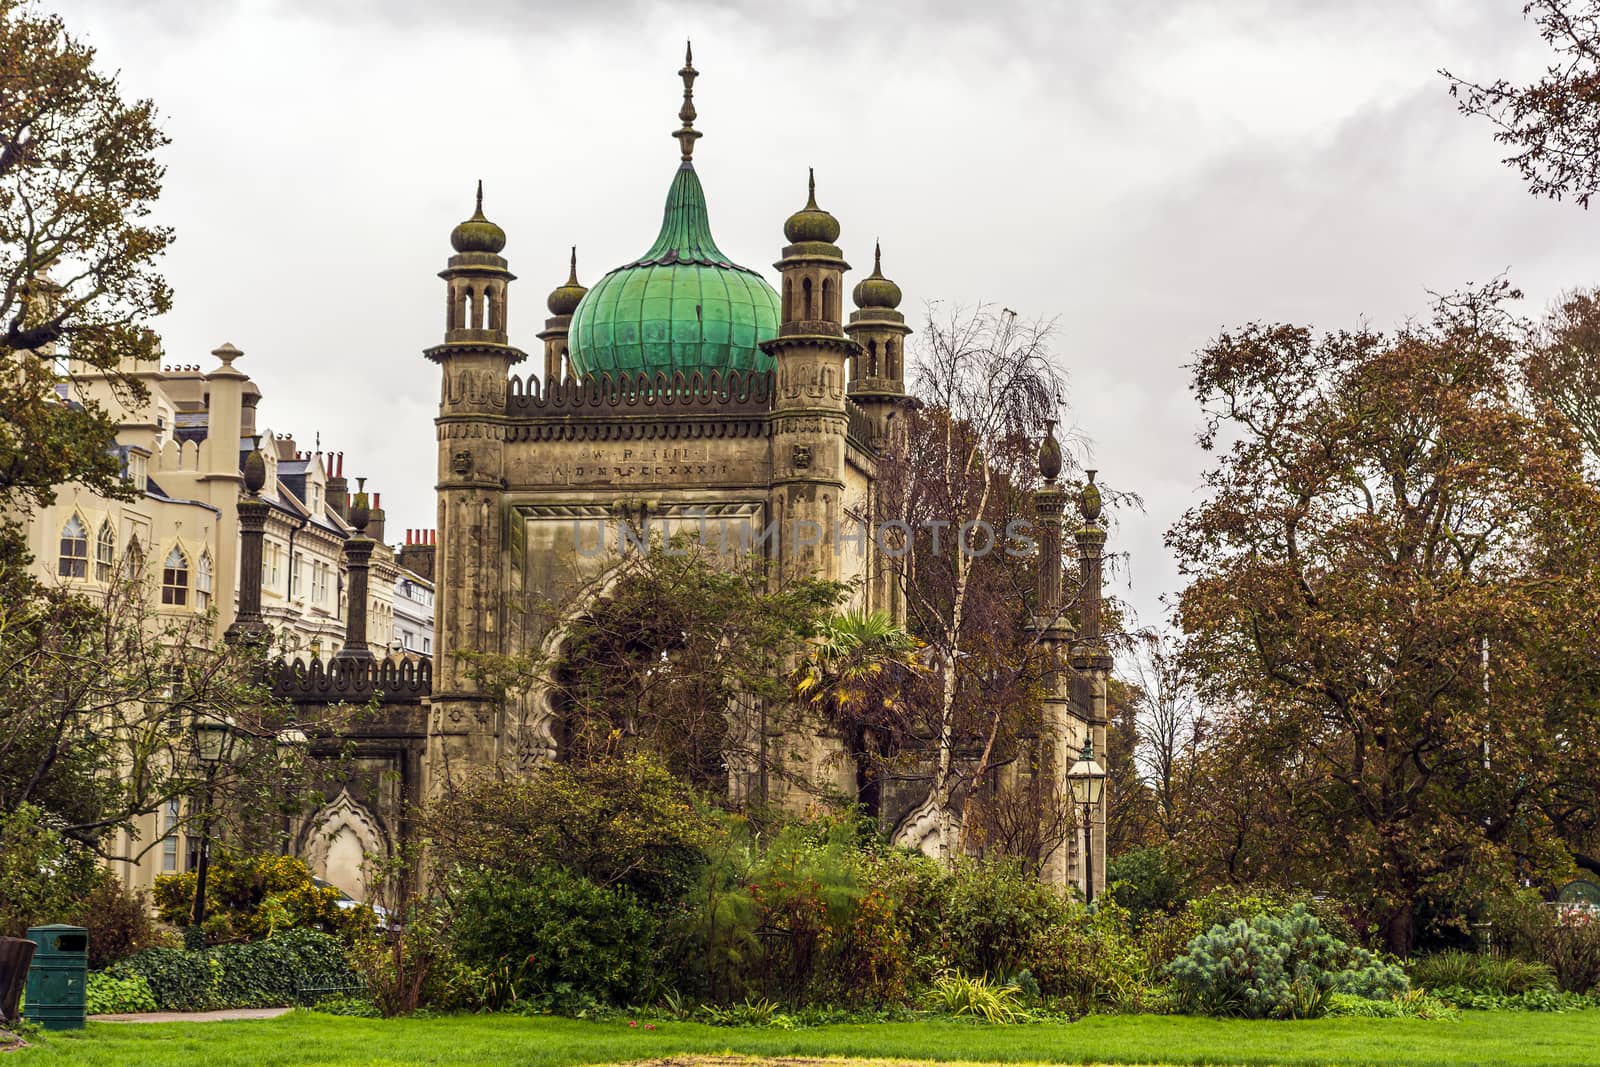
(213, 742)
(1087, 780)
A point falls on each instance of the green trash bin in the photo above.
(56, 993)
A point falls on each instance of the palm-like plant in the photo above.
(851, 661)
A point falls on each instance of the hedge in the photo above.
(260, 974)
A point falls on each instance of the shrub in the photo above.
(1147, 881)
(43, 874)
(109, 994)
(960, 995)
(992, 912)
(413, 966)
(554, 934)
(1472, 972)
(1564, 938)
(262, 974)
(1090, 959)
(250, 898)
(179, 980)
(1274, 966)
(118, 922)
(613, 821)
(1417, 1004)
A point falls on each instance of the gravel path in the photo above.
(193, 1016)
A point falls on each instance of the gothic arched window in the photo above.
(175, 578)
(74, 561)
(202, 582)
(133, 562)
(105, 550)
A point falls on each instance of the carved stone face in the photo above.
(462, 462)
(802, 457)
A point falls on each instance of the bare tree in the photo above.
(989, 386)
(1171, 728)
(1553, 124)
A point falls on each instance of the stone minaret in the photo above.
(1091, 658)
(1062, 733)
(809, 420)
(878, 387)
(474, 362)
(878, 374)
(562, 302)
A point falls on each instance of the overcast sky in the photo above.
(1147, 172)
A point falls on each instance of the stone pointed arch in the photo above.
(339, 838)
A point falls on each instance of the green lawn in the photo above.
(305, 1038)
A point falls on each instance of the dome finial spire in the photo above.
(478, 210)
(877, 259)
(572, 275)
(687, 134)
(811, 188)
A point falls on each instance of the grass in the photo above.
(306, 1038)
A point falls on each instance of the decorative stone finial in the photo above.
(360, 508)
(227, 353)
(477, 211)
(1089, 499)
(1050, 453)
(255, 468)
(687, 134)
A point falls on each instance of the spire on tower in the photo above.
(687, 134)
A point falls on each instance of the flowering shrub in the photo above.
(250, 898)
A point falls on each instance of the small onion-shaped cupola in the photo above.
(478, 234)
(565, 298)
(811, 223)
(875, 291)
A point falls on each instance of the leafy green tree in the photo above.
(78, 253)
(1388, 578)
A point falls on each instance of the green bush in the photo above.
(262, 974)
(1566, 939)
(43, 874)
(554, 935)
(1476, 973)
(1089, 959)
(992, 912)
(1147, 881)
(1277, 967)
(179, 980)
(1417, 1004)
(251, 898)
(109, 994)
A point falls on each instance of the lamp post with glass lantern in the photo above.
(213, 743)
(1087, 779)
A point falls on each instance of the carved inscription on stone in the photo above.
(631, 462)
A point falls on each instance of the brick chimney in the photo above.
(416, 555)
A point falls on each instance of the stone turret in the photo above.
(474, 361)
(878, 374)
(1091, 658)
(809, 418)
(562, 302)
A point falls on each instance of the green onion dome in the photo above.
(682, 306)
(564, 298)
(811, 224)
(876, 291)
(478, 234)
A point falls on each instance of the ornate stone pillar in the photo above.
(358, 561)
(248, 625)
